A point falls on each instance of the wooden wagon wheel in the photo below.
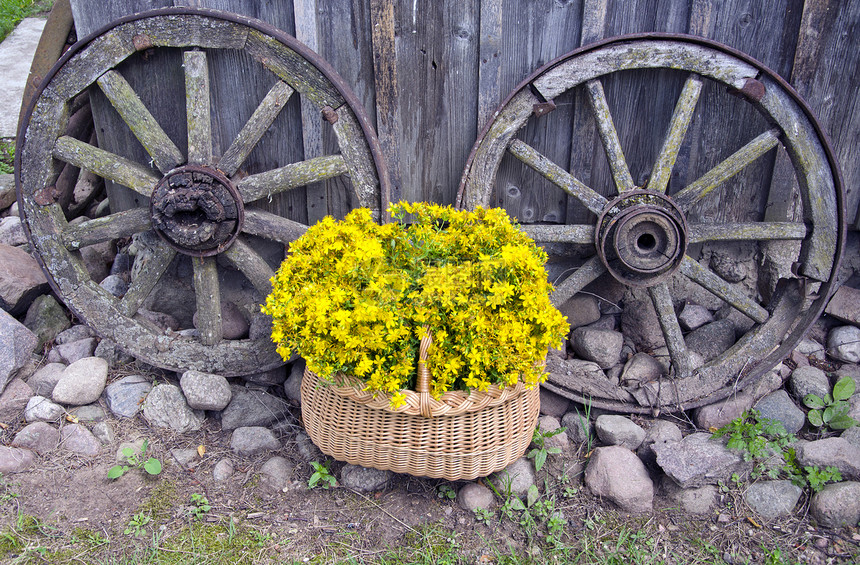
(644, 236)
(201, 206)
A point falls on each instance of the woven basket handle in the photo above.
(422, 387)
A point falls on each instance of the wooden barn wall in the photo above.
(431, 73)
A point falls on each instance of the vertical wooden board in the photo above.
(437, 55)
(532, 35)
(768, 32)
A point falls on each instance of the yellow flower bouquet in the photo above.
(354, 297)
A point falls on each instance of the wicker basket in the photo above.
(459, 436)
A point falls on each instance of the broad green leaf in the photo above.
(813, 401)
(828, 414)
(532, 495)
(152, 466)
(116, 471)
(844, 388)
(127, 452)
(540, 459)
(312, 482)
(516, 504)
(815, 418)
(842, 422)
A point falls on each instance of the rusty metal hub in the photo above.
(196, 210)
(641, 237)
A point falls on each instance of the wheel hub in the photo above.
(641, 237)
(196, 210)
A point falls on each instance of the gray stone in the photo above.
(272, 377)
(7, 181)
(699, 501)
(205, 391)
(658, 431)
(641, 368)
(40, 437)
(16, 346)
(808, 380)
(578, 373)
(46, 319)
(125, 396)
(619, 430)
(74, 333)
(579, 428)
(160, 319)
(293, 384)
(519, 476)
(698, 460)
(639, 322)
(835, 451)
(165, 407)
(79, 440)
(21, 280)
(550, 424)
(772, 499)
(115, 284)
(276, 472)
(186, 458)
(475, 495)
(780, 407)
(728, 266)
(844, 305)
(88, 413)
(40, 409)
(810, 348)
(14, 400)
(852, 435)
(694, 316)
(109, 351)
(73, 351)
(104, 432)
(715, 416)
(234, 325)
(46, 378)
(252, 408)
(308, 451)
(711, 339)
(364, 479)
(552, 404)
(601, 346)
(837, 505)
(616, 473)
(843, 344)
(15, 459)
(98, 258)
(848, 370)
(661, 355)
(581, 310)
(82, 382)
(606, 322)
(223, 470)
(249, 441)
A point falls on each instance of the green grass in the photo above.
(13, 11)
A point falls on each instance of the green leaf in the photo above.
(844, 388)
(532, 495)
(152, 466)
(516, 504)
(143, 447)
(127, 452)
(828, 414)
(813, 401)
(842, 421)
(736, 443)
(116, 471)
(312, 482)
(540, 459)
(815, 418)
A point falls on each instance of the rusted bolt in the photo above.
(46, 196)
(141, 42)
(543, 108)
(752, 90)
(329, 114)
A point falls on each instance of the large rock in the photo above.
(639, 322)
(616, 473)
(252, 408)
(808, 380)
(14, 400)
(780, 407)
(699, 500)
(46, 319)
(40, 437)
(16, 346)
(601, 346)
(711, 339)
(845, 305)
(659, 431)
(552, 404)
(40, 409)
(46, 378)
(843, 344)
(82, 382)
(772, 499)
(837, 505)
(205, 391)
(475, 495)
(579, 428)
(364, 479)
(125, 396)
(15, 459)
(581, 310)
(694, 316)
(253, 440)
(698, 460)
(21, 280)
(835, 451)
(719, 414)
(165, 407)
(550, 424)
(73, 351)
(518, 477)
(619, 430)
(276, 472)
(79, 440)
(293, 384)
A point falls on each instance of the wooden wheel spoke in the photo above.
(164, 153)
(750, 231)
(727, 169)
(253, 130)
(724, 290)
(578, 233)
(208, 296)
(115, 226)
(291, 176)
(678, 126)
(243, 257)
(558, 176)
(197, 112)
(271, 226)
(580, 278)
(662, 300)
(106, 165)
(609, 136)
(146, 279)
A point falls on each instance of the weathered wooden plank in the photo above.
(662, 299)
(681, 118)
(147, 277)
(365, 185)
(99, 230)
(207, 293)
(565, 233)
(288, 177)
(105, 164)
(271, 226)
(387, 91)
(243, 257)
(490, 66)
(191, 30)
(578, 280)
(122, 97)
(609, 136)
(197, 114)
(724, 290)
(751, 231)
(257, 125)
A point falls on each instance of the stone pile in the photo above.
(58, 390)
